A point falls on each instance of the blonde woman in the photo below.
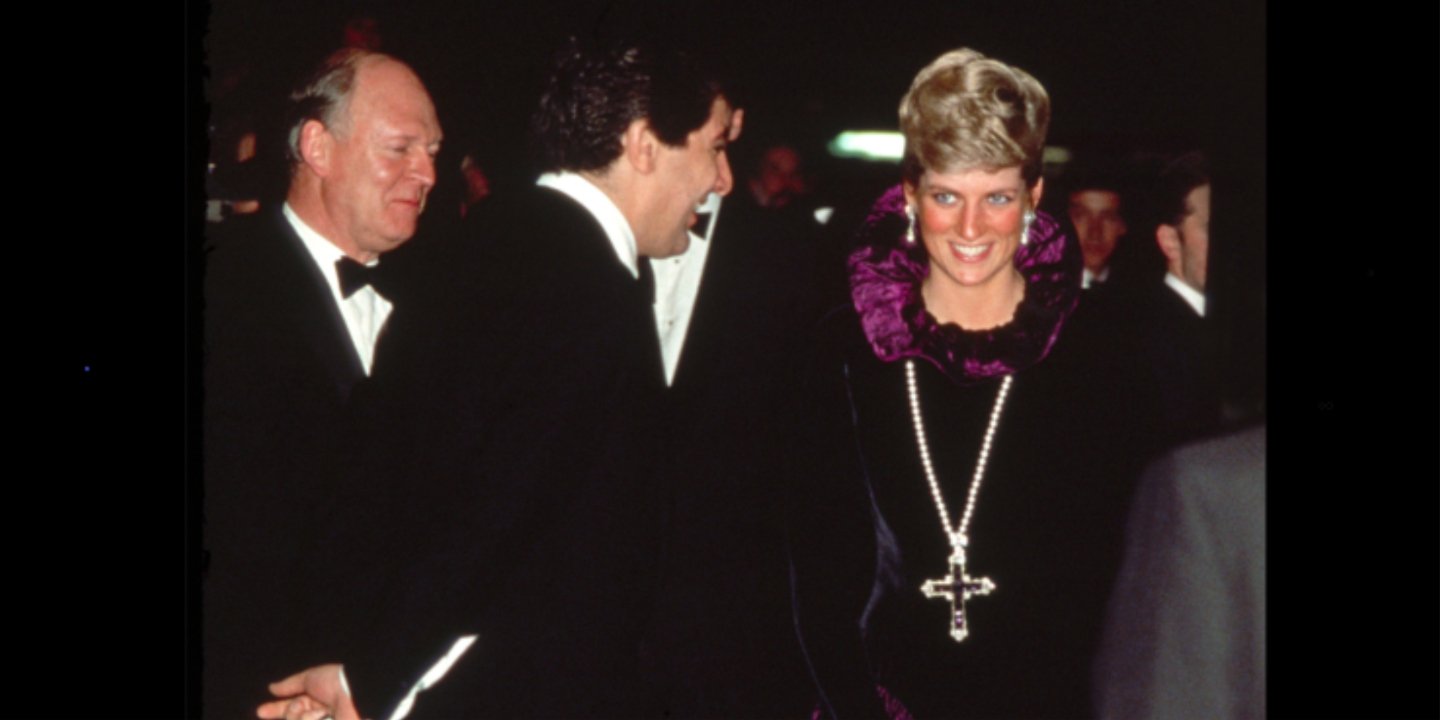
(949, 559)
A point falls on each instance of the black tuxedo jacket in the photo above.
(1179, 371)
(279, 376)
(721, 642)
(520, 431)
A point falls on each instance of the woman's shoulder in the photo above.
(837, 322)
(839, 338)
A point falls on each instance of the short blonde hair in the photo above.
(965, 111)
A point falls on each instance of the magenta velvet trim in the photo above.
(885, 277)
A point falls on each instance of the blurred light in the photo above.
(823, 214)
(884, 145)
(889, 146)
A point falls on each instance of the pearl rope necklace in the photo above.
(957, 586)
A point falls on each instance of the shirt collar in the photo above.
(1192, 297)
(1088, 278)
(326, 253)
(598, 204)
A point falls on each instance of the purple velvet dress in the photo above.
(865, 533)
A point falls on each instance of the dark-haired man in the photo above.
(1178, 342)
(526, 384)
(1185, 241)
(1095, 211)
(289, 335)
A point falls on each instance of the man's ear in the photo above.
(737, 125)
(316, 147)
(1168, 238)
(1036, 192)
(639, 146)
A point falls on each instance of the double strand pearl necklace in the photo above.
(958, 586)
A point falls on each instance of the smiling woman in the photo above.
(950, 545)
(971, 222)
(974, 139)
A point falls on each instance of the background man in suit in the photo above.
(1178, 355)
(525, 386)
(1184, 233)
(288, 338)
(1094, 209)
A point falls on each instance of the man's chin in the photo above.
(384, 245)
(669, 249)
(682, 245)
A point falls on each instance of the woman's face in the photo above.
(971, 223)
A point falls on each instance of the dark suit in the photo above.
(279, 375)
(1101, 359)
(1177, 371)
(721, 644)
(521, 390)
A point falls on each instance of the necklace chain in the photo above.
(956, 533)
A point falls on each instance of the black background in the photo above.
(1337, 112)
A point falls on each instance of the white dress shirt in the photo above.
(1192, 297)
(1088, 278)
(677, 282)
(365, 311)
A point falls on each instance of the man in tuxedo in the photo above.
(290, 333)
(526, 389)
(1184, 231)
(734, 313)
(1094, 209)
(1178, 355)
(1099, 338)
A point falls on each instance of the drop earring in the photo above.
(910, 229)
(1025, 227)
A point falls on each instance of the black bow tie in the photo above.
(354, 276)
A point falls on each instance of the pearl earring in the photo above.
(1025, 228)
(910, 229)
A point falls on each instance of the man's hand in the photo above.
(310, 695)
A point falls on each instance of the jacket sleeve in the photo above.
(832, 548)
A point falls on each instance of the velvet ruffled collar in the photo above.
(885, 277)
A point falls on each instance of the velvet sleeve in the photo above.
(831, 541)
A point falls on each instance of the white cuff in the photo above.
(431, 676)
